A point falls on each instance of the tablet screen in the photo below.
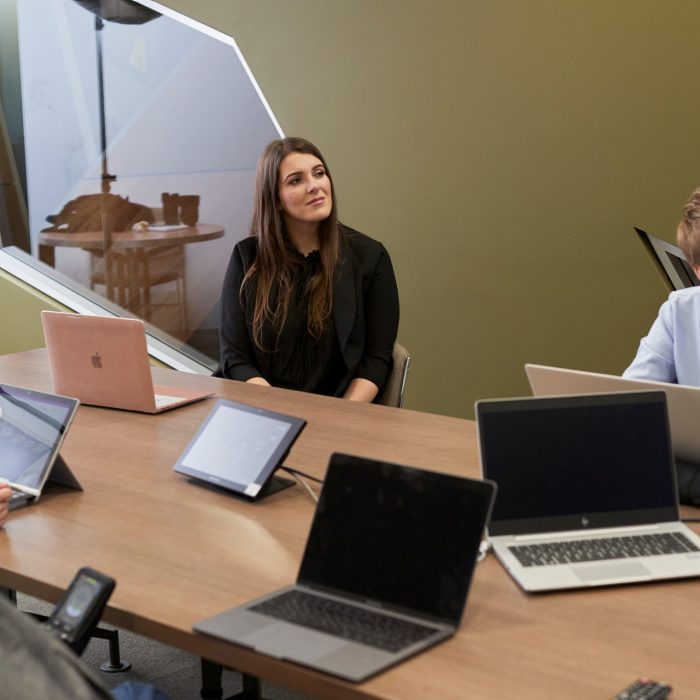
(239, 447)
(32, 427)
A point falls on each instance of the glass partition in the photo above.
(142, 132)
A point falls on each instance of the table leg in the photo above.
(47, 255)
(133, 281)
(211, 680)
(10, 594)
(212, 688)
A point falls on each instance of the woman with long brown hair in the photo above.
(307, 302)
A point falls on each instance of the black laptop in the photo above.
(385, 574)
(586, 490)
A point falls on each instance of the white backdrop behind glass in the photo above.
(182, 115)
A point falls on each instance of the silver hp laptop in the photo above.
(103, 361)
(385, 573)
(586, 490)
(32, 427)
(683, 401)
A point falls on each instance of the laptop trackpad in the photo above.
(600, 572)
(280, 639)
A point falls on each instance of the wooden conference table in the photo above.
(181, 552)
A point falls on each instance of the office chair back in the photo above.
(392, 394)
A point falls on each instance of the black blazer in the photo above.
(365, 313)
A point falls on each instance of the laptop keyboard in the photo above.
(343, 620)
(575, 551)
(165, 400)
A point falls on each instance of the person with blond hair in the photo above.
(670, 352)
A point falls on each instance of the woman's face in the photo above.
(304, 191)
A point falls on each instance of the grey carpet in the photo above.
(173, 671)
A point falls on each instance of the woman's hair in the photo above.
(277, 259)
(688, 234)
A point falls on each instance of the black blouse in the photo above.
(300, 361)
(359, 338)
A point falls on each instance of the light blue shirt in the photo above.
(671, 351)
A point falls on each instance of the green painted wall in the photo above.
(20, 301)
(20, 315)
(502, 151)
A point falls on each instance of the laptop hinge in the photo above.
(577, 533)
(379, 606)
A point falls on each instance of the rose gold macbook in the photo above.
(103, 361)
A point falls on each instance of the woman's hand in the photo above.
(258, 380)
(5, 495)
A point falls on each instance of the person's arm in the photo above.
(33, 664)
(381, 307)
(5, 495)
(361, 390)
(237, 354)
(655, 356)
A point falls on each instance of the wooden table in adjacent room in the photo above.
(181, 553)
(125, 254)
(124, 240)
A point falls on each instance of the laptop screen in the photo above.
(572, 462)
(32, 426)
(397, 535)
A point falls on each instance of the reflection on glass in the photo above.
(142, 134)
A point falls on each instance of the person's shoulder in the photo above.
(683, 302)
(360, 242)
(690, 295)
(248, 245)
(247, 249)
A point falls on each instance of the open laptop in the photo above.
(586, 490)
(385, 574)
(103, 361)
(683, 401)
(33, 425)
